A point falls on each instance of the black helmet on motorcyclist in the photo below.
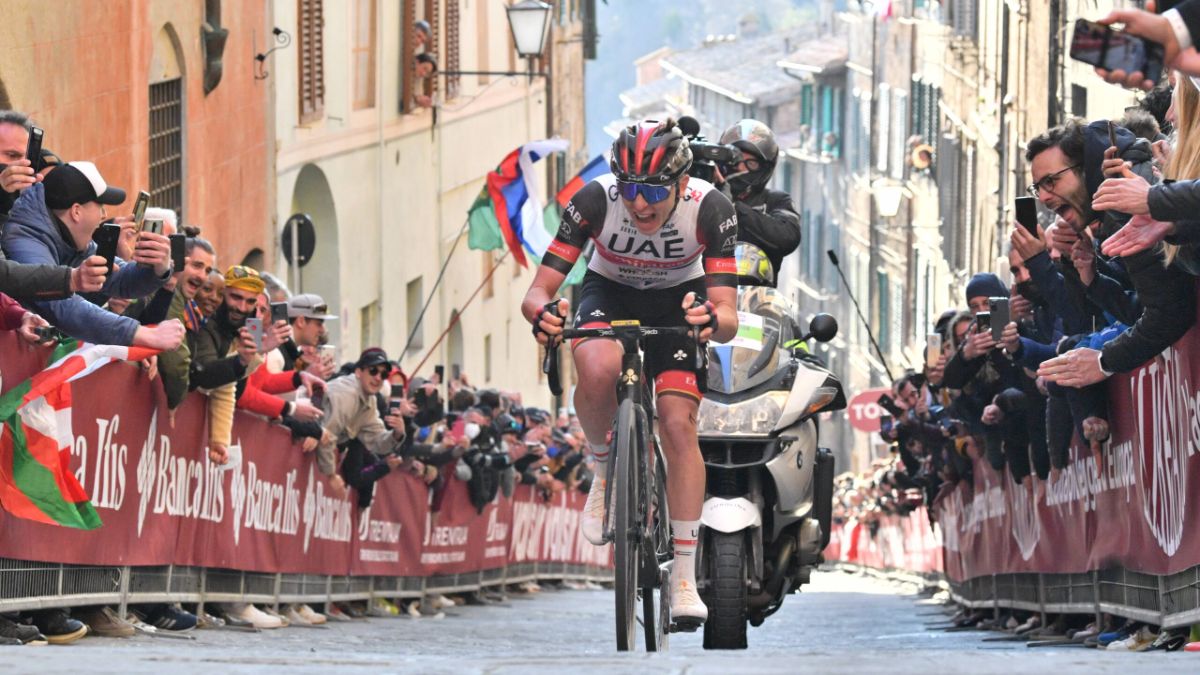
(651, 153)
(757, 140)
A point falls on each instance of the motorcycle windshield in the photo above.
(756, 353)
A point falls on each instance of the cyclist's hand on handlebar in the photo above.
(701, 313)
(551, 320)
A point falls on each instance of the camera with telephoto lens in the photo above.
(706, 156)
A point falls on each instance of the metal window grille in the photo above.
(452, 47)
(166, 145)
(311, 52)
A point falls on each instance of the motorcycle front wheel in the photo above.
(727, 595)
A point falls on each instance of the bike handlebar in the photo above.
(550, 361)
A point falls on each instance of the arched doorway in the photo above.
(321, 275)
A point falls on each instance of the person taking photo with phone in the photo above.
(53, 222)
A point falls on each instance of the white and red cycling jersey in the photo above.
(698, 240)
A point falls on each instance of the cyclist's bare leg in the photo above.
(597, 362)
(685, 466)
(685, 494)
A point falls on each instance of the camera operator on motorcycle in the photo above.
(766, 218)
(662, 240)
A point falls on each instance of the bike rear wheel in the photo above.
(655, 579)
(626, 525)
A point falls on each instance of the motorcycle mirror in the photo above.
(823, 328)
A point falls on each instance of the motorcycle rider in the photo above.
(766, 217)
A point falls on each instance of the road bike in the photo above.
(636, 516)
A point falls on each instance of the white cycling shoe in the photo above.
(592, 520)
(688, 611)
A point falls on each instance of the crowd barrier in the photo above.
(178, 528)
(1117, 534)
(907, 543)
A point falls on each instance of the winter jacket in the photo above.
(175, 366)
(212, 365)
(11, 313)
(769, 221)
(1168, 298)
(34, 236)
(350, 413)
(34, 282)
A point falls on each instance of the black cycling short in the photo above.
(670, 360)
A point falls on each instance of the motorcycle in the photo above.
(769, 493)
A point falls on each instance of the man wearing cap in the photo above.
(53, 222)
(352, 416)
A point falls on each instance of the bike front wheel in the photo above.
(626, 525)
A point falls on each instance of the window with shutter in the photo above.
(311, 52)
(408, 16)
(432, 15)
(452, 60)
(362, 54)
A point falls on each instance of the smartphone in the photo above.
(106, 238)
(139, 211)
(440, 371)
(152, 226)
(1026, 211)
(933, 349)
(33, 151)
(889, 404)
(317, 398)
(886, 422)
(998, 309)
(1112, 134)
(455, 371)
(255, 326)
(1103, 47)
(178, 251)
(394, 405)
(984, 321)
(279, 312)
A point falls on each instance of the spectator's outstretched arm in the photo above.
(39, 282)
(1168, 297)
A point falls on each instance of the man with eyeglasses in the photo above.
(354, 424)
(662, 240)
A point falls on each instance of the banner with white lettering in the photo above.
(162, 502)
(1133, 506)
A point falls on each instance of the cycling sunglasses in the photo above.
(653, 194)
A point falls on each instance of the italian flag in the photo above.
(36, 481)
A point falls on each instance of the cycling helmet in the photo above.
(651, 152)
(757, 139)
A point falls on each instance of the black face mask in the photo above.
(1029, 291)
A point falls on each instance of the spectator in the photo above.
(211, 295)
(15, 317)
(223, 352)
(353, 421)
(277, 291)
(16, 172)
(424, 67)
(175, 366)
(422, 35)
(53, 221)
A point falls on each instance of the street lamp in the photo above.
(527, 20)
(888, 194)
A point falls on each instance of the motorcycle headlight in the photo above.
(756, 416)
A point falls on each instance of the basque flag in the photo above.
(509, 208)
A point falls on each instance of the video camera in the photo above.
(706, 157)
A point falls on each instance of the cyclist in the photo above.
(766, 218)
(662, 240)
